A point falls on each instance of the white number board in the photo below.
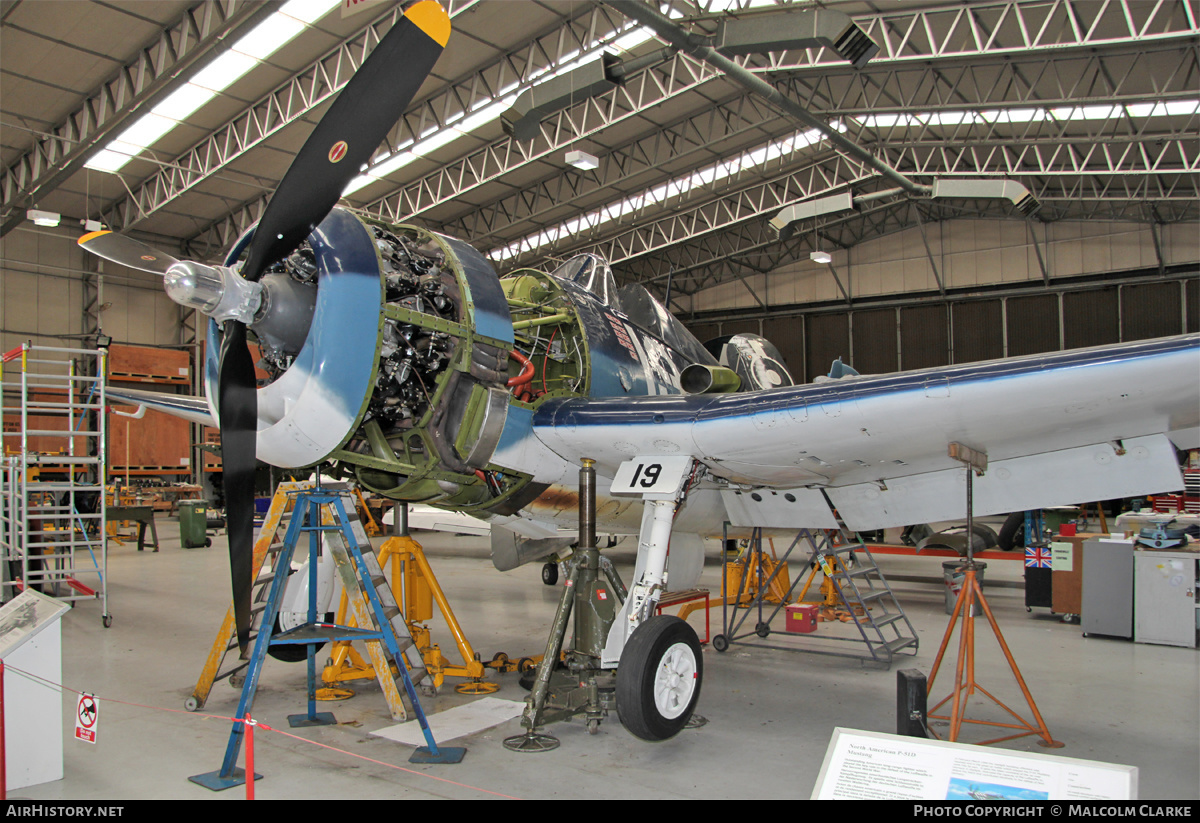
(652, 475)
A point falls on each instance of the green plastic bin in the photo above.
(193, 523)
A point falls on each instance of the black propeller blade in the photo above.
(342, 142)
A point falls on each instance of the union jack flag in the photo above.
(1037, 557)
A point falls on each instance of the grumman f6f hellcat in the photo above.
(397, 358)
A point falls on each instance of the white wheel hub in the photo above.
(675, 681)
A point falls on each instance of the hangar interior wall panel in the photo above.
(1032, 324)
(42, 272)
(1150, 310)
(1193, 306)
(787, 333)
(1090, 318)
(924, 337)
(977, 330)
(741, 327)
(967, 253)
(874, 336)
(705, 331)
(1181, 243)
(827, 337)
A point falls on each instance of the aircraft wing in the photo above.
(1058, 429)
(195, 409)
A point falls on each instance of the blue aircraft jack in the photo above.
(366, 573)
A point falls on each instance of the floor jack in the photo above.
(415, 589)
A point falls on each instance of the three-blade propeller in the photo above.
(353, 127)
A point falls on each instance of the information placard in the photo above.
(875, 766)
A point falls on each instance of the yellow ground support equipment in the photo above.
(416, 589)
(364, 513)
(833, 607)
(744, 578)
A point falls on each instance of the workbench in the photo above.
(142, 515)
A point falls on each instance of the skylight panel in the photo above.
(676, 187)
(1063, 114)
(262, 41)
(490, 111)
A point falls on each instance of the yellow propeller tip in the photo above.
(432, 19)
(91, 235)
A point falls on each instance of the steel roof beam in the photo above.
(157, 71)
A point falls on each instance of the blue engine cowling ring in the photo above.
(314, 406)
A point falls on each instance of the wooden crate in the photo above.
(154, 444)
(139, 364)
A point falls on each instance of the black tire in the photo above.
(659, 678)
(550, 574)
(720, 642)
(1012, 533)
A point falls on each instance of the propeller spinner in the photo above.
(341, 143)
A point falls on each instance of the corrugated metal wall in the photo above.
(1032, 324)
(1091, 318)
(826, 338)
(929, 334)
(978, 330)
(924, 337)
(874, 336)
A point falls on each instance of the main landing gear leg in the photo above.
(660, 666)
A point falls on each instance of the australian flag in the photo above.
(1037, 557)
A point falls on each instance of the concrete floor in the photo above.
(770, 712)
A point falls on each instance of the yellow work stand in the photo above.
(416, 589)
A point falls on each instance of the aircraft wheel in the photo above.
(658, 678)
(550, 574)
(289, 652)
(1012, 533)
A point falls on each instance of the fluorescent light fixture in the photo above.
(582, 160)
(821, 257)
(43, 218)
(91, 225)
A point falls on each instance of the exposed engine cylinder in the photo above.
(411, 324)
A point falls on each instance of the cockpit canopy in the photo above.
(592, 272)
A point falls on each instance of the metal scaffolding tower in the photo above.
(52, 506)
